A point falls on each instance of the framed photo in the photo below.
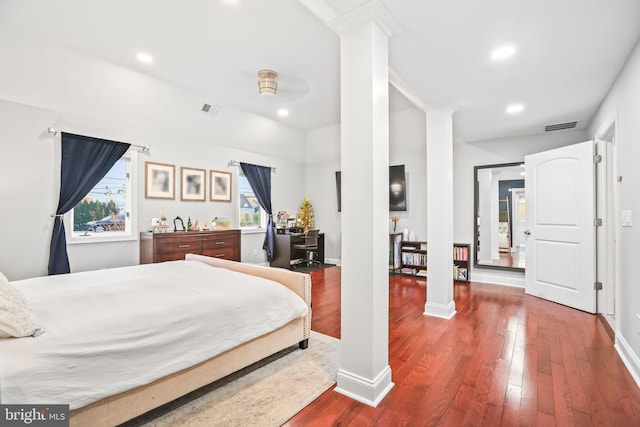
(192, 184)
(159, 181)
(220, 186)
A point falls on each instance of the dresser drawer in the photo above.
(171, 256)
(224, 253)
(160, 247)
(227, 240)
(182, 245)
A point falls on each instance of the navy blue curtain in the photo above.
(259, 178)
(85, 161)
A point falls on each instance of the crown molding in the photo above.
(372, 10)
(406, 90)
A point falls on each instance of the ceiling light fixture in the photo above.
(283, 112)
(503, 53)
(515, 109)
(267, 82)
(144, 57)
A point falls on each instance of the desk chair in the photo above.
(309, 244)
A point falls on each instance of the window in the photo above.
(106, 213)
(252, 216)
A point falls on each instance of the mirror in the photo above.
(500, 216)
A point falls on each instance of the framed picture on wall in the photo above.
(192, 184)
(159, 181)
(220, 186)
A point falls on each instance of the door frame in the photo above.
(608, 246)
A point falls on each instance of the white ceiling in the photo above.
(568, 53)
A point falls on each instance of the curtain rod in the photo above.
(234, 163)
(144, 148)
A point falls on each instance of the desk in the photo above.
(285, 252)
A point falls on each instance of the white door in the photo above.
(560, 198)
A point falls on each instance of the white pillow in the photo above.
(3, 277)
(16, 318)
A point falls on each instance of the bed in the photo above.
(114, 366)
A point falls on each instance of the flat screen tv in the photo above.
(397, 189)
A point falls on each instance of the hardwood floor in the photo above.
(505, 359)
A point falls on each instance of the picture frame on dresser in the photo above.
(193, 183)
(220, 186)
(159, 181)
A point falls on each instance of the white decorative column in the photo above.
(364, 372)
(440, 301)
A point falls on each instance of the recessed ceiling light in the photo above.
(503, 52)
(283, 112)
(144, 57)
(515, 109)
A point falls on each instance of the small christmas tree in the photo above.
(305, 214)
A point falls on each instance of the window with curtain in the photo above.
(106, 213)
(251, 215)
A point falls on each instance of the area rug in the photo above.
(267, 393)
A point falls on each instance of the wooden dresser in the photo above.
(170, 246)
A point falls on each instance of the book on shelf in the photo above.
(422, 272)
(412, 258)
(460, 253)
(459, 273)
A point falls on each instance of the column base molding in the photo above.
(440, 310)
(369, 392)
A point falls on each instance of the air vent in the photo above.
(210, 109)
(560, 126)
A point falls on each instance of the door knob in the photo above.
(527, 232)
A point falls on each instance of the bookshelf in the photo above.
(413, 258)
(410, 258)
(461, 262)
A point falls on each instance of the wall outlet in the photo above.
(626, 220)
(255, 252)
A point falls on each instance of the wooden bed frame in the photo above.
(124, 406)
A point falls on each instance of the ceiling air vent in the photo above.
(210, 109)
(560, 126)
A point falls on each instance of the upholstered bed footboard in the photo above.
(300, 283)
(119, 408)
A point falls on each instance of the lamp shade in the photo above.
(267, 82)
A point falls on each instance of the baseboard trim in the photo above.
(629, 357)
(369, 392)
(443, 311)
(513, 279)
(336, 261)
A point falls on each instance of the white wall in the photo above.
(622, 105)
(39, 88)
(407, 146)
(466, 155)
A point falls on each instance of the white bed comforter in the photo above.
(112, 330)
